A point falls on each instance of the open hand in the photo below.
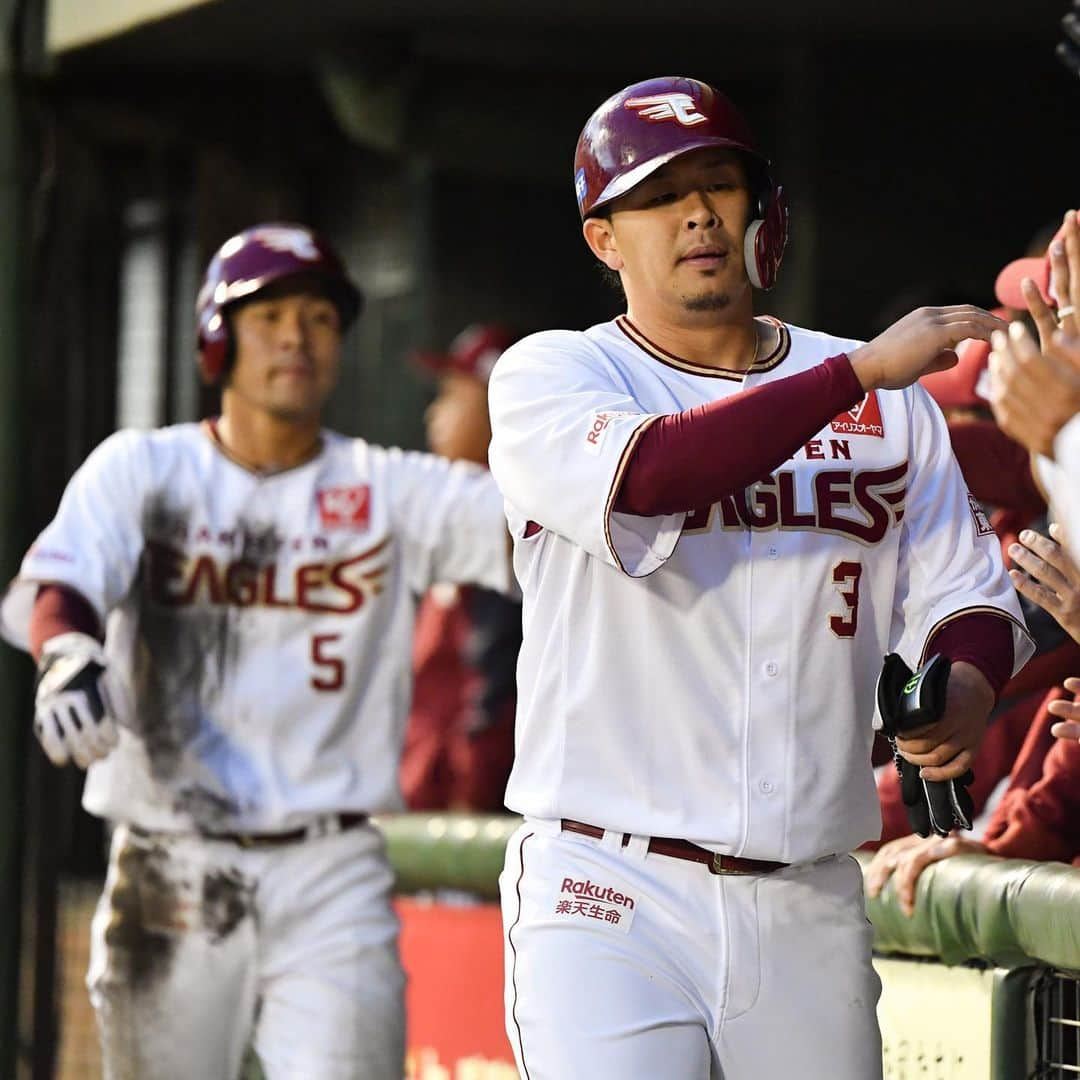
(906, 858)
(1048, 576)
(921, 342)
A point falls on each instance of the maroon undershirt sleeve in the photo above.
(983, 640)
(60, 610)
(696, 457)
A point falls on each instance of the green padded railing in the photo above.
(1008, 912)
(463, 852)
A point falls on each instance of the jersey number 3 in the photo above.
(845, 576)
(330, 674)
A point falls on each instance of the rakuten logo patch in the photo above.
(593, 903)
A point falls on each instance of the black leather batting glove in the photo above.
(907, 701)
(73, 715)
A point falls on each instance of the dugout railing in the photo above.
(981, 983)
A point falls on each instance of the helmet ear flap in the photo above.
(215, 347)
(766, 238)
(750, 257)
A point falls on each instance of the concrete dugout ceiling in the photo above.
(74, 23)
(278, 33)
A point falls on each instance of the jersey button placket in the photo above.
(770, 695)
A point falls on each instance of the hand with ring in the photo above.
(1035, 388)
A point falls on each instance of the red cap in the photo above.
(1007, 286)
(968, 383)
(473, 352)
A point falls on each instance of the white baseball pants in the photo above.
(624, 965)
(199, 947)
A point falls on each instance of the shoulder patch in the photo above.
(982, 522)
(864, 418)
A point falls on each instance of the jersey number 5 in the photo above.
(845, 576)
(332, 668)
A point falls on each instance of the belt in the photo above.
(683, 849)
(325, 825)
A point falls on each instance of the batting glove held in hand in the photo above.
(908, 701)
(73, 717)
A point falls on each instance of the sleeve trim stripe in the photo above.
(977, 609)
(624, 462)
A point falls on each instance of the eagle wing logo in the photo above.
(678, 107)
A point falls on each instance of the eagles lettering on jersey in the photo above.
(876, 496)
(174, 577)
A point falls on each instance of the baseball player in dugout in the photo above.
(222, 615)
(459, 741)
(722, 524)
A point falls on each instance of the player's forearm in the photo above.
(982, 640)
(60, 610)
(696, 457)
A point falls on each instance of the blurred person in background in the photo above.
(1034, 393)
(998, 472)
(221, 615)
(1035, 384)
(459, 742)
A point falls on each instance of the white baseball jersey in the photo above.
(710, 675)
(262, 621)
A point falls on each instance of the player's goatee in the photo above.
(707, 302)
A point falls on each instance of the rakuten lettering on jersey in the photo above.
(598, 425)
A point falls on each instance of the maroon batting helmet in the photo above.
(646, 125)
(248, 263)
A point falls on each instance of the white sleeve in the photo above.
(450, 518)
(1061, 479)
(950, 558)
(94, 543)
(563, 431)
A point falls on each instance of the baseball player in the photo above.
(721, 525)
(222, 615)
(459, 739)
